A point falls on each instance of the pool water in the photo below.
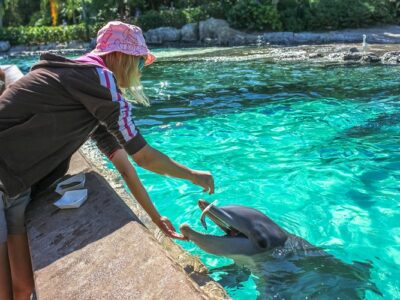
(314, 147)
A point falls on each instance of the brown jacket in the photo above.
(50, 112)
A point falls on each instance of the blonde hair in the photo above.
(126, 71)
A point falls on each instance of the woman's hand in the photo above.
(205, 180)
(166, 226)
(123, 165)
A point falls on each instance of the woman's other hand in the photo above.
(166, 226)
(205, 180)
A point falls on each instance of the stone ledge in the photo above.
(103, 251)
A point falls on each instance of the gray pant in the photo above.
(12, 214)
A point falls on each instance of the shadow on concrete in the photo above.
(55, 233)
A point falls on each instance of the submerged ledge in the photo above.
(338, 54)
(102, 250)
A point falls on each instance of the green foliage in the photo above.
(215, 9)
(174, 17)
(251, 15)
(194, 14)
(254, 15)
(33, 35)
(332, 14)
(298, 15)
(153, 19)
(294, 14)
(11, 13)
(337, 14)
(395, 7)
(381, 11)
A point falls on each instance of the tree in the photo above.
(2, 12)
(54, 12)
(70, 9)
(4, 6)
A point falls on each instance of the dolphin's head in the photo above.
(248, 231)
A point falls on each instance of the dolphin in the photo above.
(285, 266)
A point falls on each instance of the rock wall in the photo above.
(217, 32)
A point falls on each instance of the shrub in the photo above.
(294, 14)
(194, 14)
(32, 35)
(154, 19)
(176, 17)
(382, 11)
(337, 14)
(216, 10)
(254, 15)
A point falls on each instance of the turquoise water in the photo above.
(314, 147)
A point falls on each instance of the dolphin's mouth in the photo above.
(219, 217)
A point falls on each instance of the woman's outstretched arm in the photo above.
(155, 161)
(128, 173)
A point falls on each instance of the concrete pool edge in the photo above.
(71, 264)
(192, 265)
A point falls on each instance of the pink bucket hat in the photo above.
(117, 36)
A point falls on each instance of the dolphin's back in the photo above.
(298, 245)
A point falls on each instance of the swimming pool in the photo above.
(314, 147)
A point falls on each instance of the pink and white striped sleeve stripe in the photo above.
(125, 124)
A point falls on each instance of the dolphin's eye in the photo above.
(263, 243)
(260, 238)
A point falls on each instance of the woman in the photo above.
(47, 115)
